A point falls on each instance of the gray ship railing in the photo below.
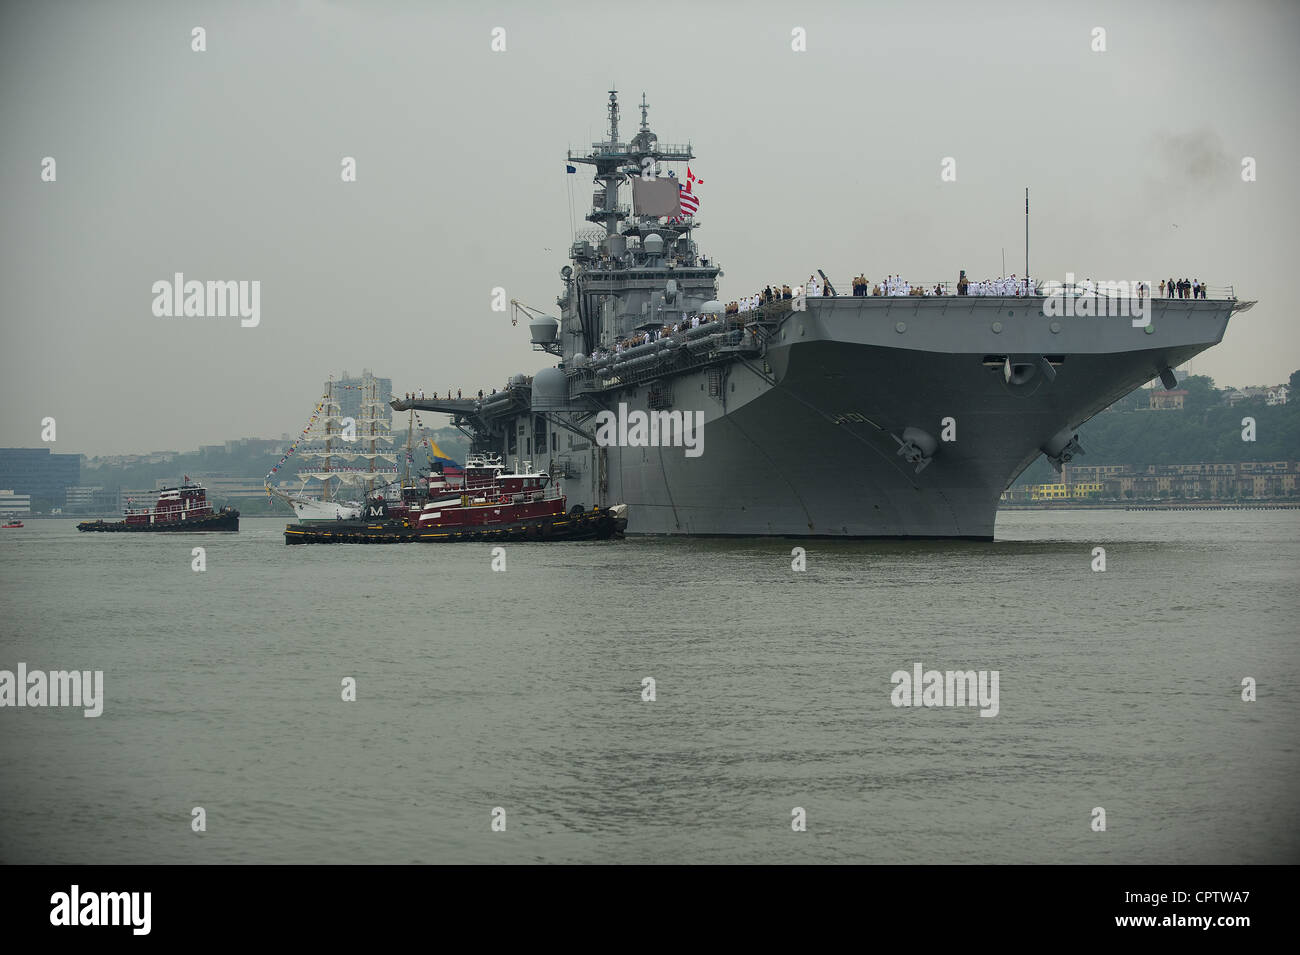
(611, 149)
(1041, 287)
(622, 209)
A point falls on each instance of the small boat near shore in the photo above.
(12, 524)
(491, 505)
(183, 508)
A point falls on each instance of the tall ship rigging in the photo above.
(345, 458)
(822, 414)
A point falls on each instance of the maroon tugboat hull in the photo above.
(596, 524)
(221, 521)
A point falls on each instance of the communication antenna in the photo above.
(1026, 231)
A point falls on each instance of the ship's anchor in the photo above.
(916, 447)
(1023, 369)
(1062, 448)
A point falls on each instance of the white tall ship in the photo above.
(345, 458)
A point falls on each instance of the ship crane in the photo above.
(542, 327)
(518, 308)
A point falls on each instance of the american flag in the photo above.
(689, 199)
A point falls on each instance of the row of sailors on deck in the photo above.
(414, 395)
(1186, 288)
(896, 285)
(748, 303)
(773, 293)
(814, 288)
(893, 285)
(1002, 285)
(651, 335)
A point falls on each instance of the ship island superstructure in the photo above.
(831, 415)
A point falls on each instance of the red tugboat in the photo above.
(183, 508)
(491, 504)
(13, 523)
(412, 500)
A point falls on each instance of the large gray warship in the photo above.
(823, 416)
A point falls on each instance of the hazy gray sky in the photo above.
(225, 164)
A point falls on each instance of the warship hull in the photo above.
(805, 443)
(803, 438)
(892, 415)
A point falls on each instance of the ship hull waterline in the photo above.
(596, 524)
(227, 521)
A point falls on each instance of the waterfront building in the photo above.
(14, 505)
(39, 473)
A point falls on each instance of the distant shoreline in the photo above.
(1045, 506)
(1153, 506)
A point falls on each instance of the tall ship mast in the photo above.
(819, 414)
(345, 458)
